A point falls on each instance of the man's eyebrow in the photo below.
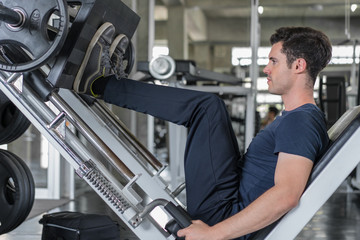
(273, 58)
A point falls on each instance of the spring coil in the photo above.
(105, 188)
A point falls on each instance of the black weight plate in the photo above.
(12, 122)
(27, 193)
(30, 180)
(13, 54)
(33, 35)
(12, 186)
(22, 200)
(7, 197)
(31, 196)
(22, 197)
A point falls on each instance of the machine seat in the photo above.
(339, 134)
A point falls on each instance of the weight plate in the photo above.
(14, 182)
(15, 190)
(162, 67)
(13, 54)
(35, 35)
(31, 182)
(28, 192)
(13, 122)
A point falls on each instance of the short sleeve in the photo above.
(298, 134)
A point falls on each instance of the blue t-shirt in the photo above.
(301, 131)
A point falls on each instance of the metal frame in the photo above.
(111, 161)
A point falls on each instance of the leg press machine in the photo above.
(113, 162)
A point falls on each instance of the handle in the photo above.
(179, 214)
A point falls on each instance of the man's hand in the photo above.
(291, 175)
(198, 230)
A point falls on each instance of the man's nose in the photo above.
(266, 70)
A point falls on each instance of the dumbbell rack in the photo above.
(118, 168)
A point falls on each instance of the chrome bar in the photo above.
(136, 220)
(30, 106)
(139, 147)
(47, 117)
(89, 134)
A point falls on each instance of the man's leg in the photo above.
(211, 153)
(211, 156)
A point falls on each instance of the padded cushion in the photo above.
(339, 133)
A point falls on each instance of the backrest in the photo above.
(339, 133)
(343, 122)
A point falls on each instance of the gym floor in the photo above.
(338, 219)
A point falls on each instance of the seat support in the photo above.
(328, 174)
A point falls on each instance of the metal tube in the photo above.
(10, 16)
(6, 80)
(254, 73)
(179, 189)
(148, 208)
(151, 159)
(90, 135)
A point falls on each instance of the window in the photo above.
(242, 55)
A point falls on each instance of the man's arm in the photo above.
(291, 175)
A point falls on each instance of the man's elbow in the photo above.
(287, 198)
(290, 201)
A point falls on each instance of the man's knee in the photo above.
(216, 108)
(213, 103)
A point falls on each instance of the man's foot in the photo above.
(117, 51)
(96, 63)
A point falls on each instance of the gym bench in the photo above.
(327, 175)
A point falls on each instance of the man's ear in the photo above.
(300, 65)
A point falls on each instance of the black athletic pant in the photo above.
(211, 155)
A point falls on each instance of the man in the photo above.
(270, 117)
(231, 195)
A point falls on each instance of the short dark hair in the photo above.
(274, 109)
(307, 43)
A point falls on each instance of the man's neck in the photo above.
(297, 99)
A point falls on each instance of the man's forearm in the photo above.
(291, 175)
(265, 210)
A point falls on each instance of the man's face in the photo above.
(279, 75)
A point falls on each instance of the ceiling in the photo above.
(272, 8)
(328, 15)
